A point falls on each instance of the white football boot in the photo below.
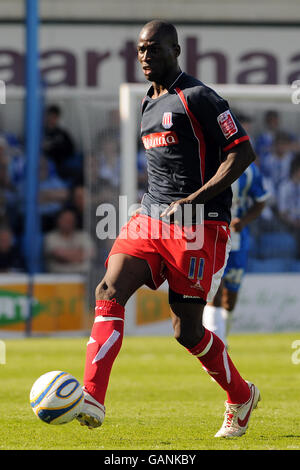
(92, 413)
(237, 416)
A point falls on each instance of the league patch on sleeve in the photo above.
(227, 124)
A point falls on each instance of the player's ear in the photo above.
(177, 50)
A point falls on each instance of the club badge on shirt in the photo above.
(227, 124)
(167, 120)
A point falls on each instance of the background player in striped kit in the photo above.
(248, 202)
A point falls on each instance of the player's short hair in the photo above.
(163, 27)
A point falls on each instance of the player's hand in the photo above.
(173, 207)
(136, 212)
(236, 225)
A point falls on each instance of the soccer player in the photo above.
(248, 201)
(195, 150)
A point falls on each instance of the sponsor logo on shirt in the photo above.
(167, 120)
(160, 139)
(227, 124)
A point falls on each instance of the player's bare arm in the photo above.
(238, 223)
(230, 169)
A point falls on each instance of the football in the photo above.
(56, 397)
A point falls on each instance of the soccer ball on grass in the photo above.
(56, 397)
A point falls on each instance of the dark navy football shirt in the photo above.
(186, 134)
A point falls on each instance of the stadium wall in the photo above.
(58, 304)
(267, 303)
(85, 57)
(132, 10)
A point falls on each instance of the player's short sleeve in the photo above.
(216, 118)
(257, 191)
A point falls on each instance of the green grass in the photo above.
(159, 397)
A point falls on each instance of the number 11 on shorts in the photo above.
(196, 266)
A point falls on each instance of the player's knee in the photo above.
(105, 291)
(177, 329)
(228, 306)
(217, 300)
(188, 336)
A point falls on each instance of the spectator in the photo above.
(246, 121)
(3, 147)
(277, 163)
(10, 139)
(108, 157)
(77, 204)
(97, 196)
(275, 169)
(289, 200)
(10, 257)
(112, 128)
(109, 171)
(53, 193)
(14, 161)
(93, 180)
(8, 194)
(57, 143)
(264, 141)
(11, 147)
(67, 249)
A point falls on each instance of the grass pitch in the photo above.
(159, 397)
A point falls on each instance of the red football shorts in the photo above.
(192, 259)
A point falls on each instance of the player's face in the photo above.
(157, 56)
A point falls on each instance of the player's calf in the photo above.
(102, 349)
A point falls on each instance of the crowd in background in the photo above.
(71, 187)
(276, 234)
(65, 246)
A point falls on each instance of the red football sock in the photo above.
(214, 358)
(103, 347)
